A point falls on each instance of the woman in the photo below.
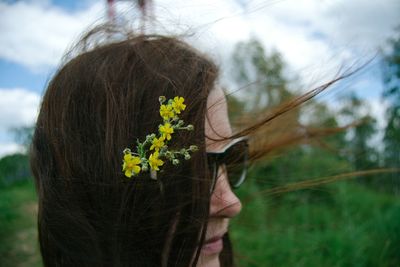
(105, 100)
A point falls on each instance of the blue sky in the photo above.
(315, 38)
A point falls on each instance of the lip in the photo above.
(213, 245)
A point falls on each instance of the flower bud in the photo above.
(175, 161)
(193, 148)
(190, 127)
(169, 154)
(187, 156)
(161, 99)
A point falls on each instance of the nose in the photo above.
(224, 203)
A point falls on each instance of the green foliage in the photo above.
(23, 135)
(14, 168)
(18, 232)
(357, 227)
(340, 224)
(360, 152)
(365, 156)
(392, 93)
(299, 164)
(261, 74)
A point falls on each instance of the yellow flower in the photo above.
(166, 130)
(155, 162)
(157, 143)
(166, 112)
(130, 165)
(178, 105)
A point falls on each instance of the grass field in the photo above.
(343, 224)
(18, 234)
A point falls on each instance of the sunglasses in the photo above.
(234, 158)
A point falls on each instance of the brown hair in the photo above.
(101, 101)
(98, 103)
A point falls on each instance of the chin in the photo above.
(208, 261)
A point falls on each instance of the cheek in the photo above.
(223, 201)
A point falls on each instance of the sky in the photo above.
(315, 38)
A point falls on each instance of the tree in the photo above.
(23, 135)
(391, 79)
(263, 86)
(15, 167)
(361, 153)
(261, 73)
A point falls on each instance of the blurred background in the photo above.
(269, 52)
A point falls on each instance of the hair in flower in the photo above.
(154, 151)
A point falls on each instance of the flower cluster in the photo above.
(135, 162)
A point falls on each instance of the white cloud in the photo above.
(315, 37)
(377, 109)
(307, 32)
(18, 107)
(364, 24)
(36, 34)
(10, 148)
(345, 23)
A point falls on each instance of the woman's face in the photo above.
(224, 204)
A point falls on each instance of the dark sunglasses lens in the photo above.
(236, 163)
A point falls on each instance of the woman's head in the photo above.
(97, 104)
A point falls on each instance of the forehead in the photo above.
(217, 125)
